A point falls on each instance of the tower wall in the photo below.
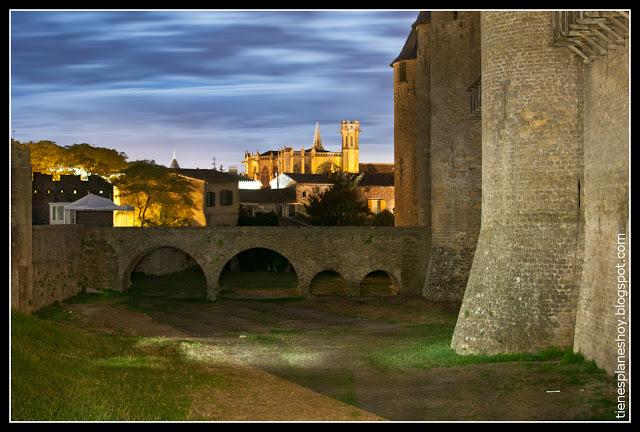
(421, 194)
(455, 151)
(405, 139)
(21, 229)
(350, 146)
(522, 290)
(605, 197)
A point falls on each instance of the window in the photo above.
(377, 205)
(226, 197)
(402, 72)
(304, 194)
(57, 213)
(455, 16)
(211, 199)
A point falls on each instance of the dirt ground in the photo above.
(313, 356)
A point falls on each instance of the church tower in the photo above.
(350, 130)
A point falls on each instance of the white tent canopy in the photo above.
(91, 202)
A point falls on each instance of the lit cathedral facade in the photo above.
(264, 166)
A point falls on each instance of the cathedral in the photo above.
(265, 166)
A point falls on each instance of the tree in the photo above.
(327, 168)
(338, 206)
(384, 218)
(160, 197)
(95, 160)
(49, 158)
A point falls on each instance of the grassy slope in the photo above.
(61, 373)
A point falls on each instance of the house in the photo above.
(90, 210)
(46, 190)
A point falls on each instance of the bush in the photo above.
(384, 218)
(260, 219)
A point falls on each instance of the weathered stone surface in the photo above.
(455, 152)
(605, 192)
(523, 287)
(21, 237)
(70, 258)
(60, 264)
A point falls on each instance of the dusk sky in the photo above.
(205, 83)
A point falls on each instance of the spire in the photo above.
(317, 142)
(174, 162)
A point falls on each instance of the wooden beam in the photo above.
(577, 51)
(594, 43)
(618, 38)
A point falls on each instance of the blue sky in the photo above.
(205, 83)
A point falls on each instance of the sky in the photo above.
(205, 83)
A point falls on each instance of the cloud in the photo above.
(208, 82)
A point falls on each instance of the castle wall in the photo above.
(21, 235)
(405, 138)
(59, 266)
(605, 199)
(423, 106)
(163, 261)
(522, 290)
(455, 154)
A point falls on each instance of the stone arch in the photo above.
(328, 282)
(288, 267)
(139, 255)
(379, 283)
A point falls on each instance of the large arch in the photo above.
(260, 272)
(137, 256)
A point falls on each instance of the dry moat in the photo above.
(327, 358)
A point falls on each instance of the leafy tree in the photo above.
(338, 206)
(49, 158)
(384, 218)
(95, 160)
(328, 168)
(160, 197)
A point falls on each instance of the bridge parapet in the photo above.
(351, 251)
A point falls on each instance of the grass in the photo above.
(62, 373)
(432, 350)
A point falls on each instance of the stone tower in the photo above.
(21, 230)
(455, 148)
(523, 287)
(437, 144)
(412, 130)
(350, 147)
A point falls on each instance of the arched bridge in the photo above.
(111, 254)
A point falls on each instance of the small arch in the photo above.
(328, 283)
(379, 283)
(260, 273)
(166, 271)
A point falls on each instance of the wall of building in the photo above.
(385, 193)
(59, 266)
(455, 153)
(605, 199)
(225, 215)
(523, 288)
(21, 234)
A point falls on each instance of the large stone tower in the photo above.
(523, 286)
(350, 131)
(453, 46)
(412, 127)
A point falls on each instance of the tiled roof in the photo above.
(208, 175)
(376, 167)
(410, 48)
(267, 196)
(377, 179)
(309, 178)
